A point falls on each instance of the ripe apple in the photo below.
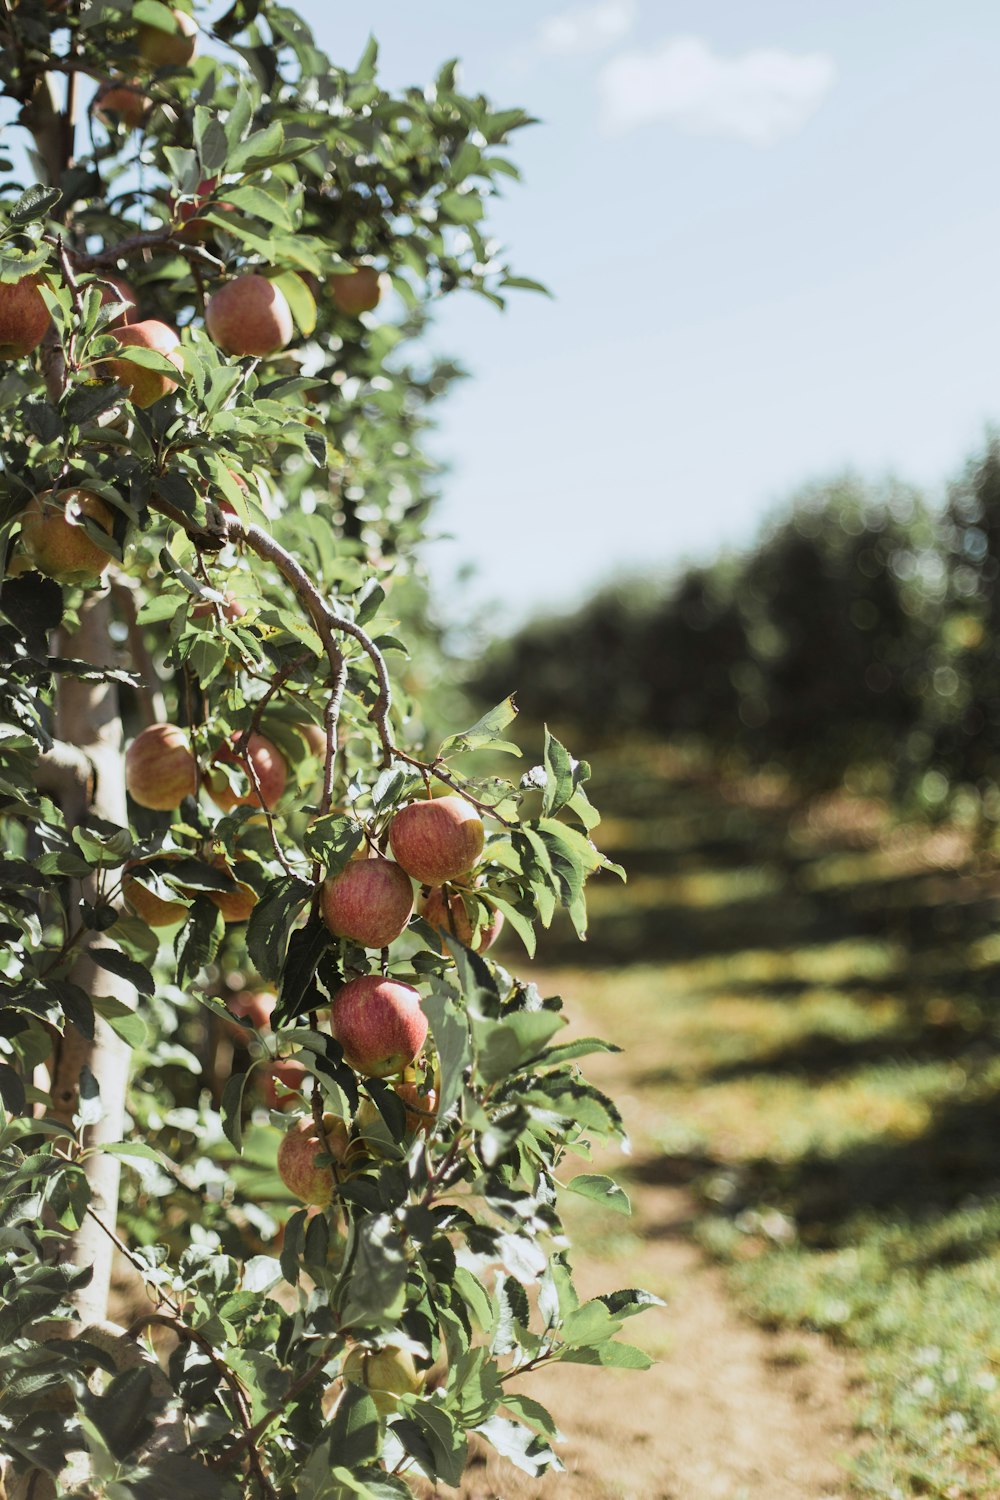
(386, 1374)
(379, 1023)
(315, 738)
(117, 289)
(254, 1006)
(421, 1108)
(287, 1071)
(56, 540)
(446, 911)
(122, 101)
(24, 318)
(152, 909)
(194, 227)
(249, 315)
(356, 290)
(169, 49)
(297, 1164)
(160, 768)
(231, 608)
(269, 765)
(236, 904)
(146, 386)
(437, 840)
(370, 902)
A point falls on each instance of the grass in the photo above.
(810, 1005)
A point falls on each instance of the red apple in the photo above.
(169, 49)
(355, 290)
(386, 1374)
(160, 768)
(379, 1023)
(370, 902)
(315, 738)
(446, 911)
(231, 608)
(122, 101)
(254, 1006)
(249, 316)
(154, 910)
(269, 765)
(24, 318)
(437, 840)
(297, 1164)
(146, 386)
(56, 540)
(287, 1071)
(189, 214)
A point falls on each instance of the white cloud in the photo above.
(759, 97)
(586, 28)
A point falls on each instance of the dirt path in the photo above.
(730, 1411)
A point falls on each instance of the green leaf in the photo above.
(450, 1031)
(559, 786)
(11, 1090)
(122, 1019)
(271, 921)
(518, 921)
(532, 1412)
(332, 840)
(300, 299)
(502, 1047)
(582, 1048)
(614, 1355)
(116, 962)
(445, 1438)
(231, 1108)
(355, 1438)
(485, 731)
(34, 204)
(198, 940)
(600, 1189)
(375, 1294)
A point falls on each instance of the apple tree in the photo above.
(257, 1056)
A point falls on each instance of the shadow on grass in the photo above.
(946, 1001)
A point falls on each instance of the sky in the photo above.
(771, 231)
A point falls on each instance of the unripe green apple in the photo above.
(160, 768)
(24, 318)
(249, 315)
(379, 1023)
(269, 766)
(297, 1164)
(146, 386)
(445, 911)
(370, 901)
(169, 49)
(437, 840)
(55, 539)
(356, 290)
(122, 100)
(386, 1374)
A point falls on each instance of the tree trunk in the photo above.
(87, 717)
